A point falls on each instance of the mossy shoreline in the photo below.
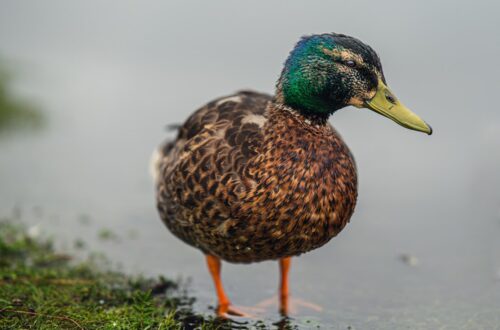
(44, 289)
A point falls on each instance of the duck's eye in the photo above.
(350, 63)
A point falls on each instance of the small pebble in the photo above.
(409, 259)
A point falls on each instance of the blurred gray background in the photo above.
(422, 249)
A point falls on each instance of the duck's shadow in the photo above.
(285, 323)
(193, 320)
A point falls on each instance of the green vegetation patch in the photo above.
(43, 289)
(15, 112)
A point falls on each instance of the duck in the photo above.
(253, 177)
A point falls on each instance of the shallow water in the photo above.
(422, 248)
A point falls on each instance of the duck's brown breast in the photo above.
(302, 191)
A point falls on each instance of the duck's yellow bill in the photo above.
(385, 103)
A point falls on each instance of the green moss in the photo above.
(43, 289)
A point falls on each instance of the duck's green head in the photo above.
(326, 72)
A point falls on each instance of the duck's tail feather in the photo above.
(160, 152)
(154, 164)
(173, 127)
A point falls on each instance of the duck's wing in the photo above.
(202, 172)
(237, 118)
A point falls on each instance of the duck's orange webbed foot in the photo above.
(227, 310)
(290, 306)
(287, 305)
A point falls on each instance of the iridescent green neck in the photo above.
(303, 94)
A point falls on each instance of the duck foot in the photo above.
(228, 310)
(289, 306)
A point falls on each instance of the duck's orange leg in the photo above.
(224, 307)
(284, 289)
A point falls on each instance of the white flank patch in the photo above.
(254, 119)
(236, 99)
(154, 164)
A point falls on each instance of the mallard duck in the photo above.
(253, 177)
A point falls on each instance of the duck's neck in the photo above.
(313, 97)
(307, 118)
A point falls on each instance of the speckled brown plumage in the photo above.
(249, 179)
